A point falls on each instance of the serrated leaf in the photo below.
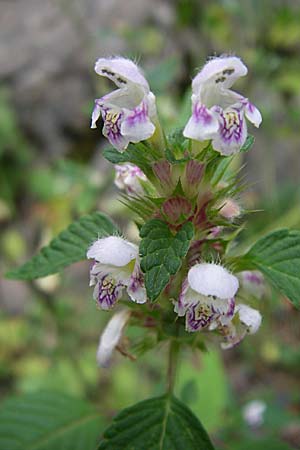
(277, 256)
(48, 421)
(67, 248)
(162, 253)
(162, 423)
(248, 144)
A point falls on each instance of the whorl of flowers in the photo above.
(178, 181)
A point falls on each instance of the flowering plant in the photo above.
(185, 283)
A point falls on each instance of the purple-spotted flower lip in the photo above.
(116, 268)
(217, 111)
(129, 111)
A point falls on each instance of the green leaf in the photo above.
(48, 421)
(162, 253)
(162, 423)
(67, 248)
(277, 256)
(262, 444)
(248, 143)
(137, 154)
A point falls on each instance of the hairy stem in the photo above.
(172, 365)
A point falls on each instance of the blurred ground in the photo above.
(51, 171)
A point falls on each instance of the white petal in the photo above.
(249, 317)
(121, 71)
(137, 294)
(113, 250)
(220, 72)
(128, 97)
(111, 337)
(253, 114)
(136, 125)
(213, 280)
(95, 114)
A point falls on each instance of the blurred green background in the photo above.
(52, 171)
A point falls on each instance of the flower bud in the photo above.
(230, 209)
(128, 178)
(192, 177)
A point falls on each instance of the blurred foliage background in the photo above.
(52, 171)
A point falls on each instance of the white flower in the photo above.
(207, 294)
(253, 413)
(128, 178)
(217, 111)
(116, 267)
(111, 336)
(129, 111)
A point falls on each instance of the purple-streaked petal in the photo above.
(219, 72)
(111, 337)
(199, 316)
(113, 250)
(253, 282)
(202, 125)
(232, 132)
(136, 125)
(112, 128)
(253, 114)
(136, 289)
(121, 71)
(107, 292)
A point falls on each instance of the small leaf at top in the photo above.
(277, 256)
(162, 253)
(162, 423)
(67, 248)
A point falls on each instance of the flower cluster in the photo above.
(204, 295)
(207, 300)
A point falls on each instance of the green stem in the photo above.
(172, 365)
